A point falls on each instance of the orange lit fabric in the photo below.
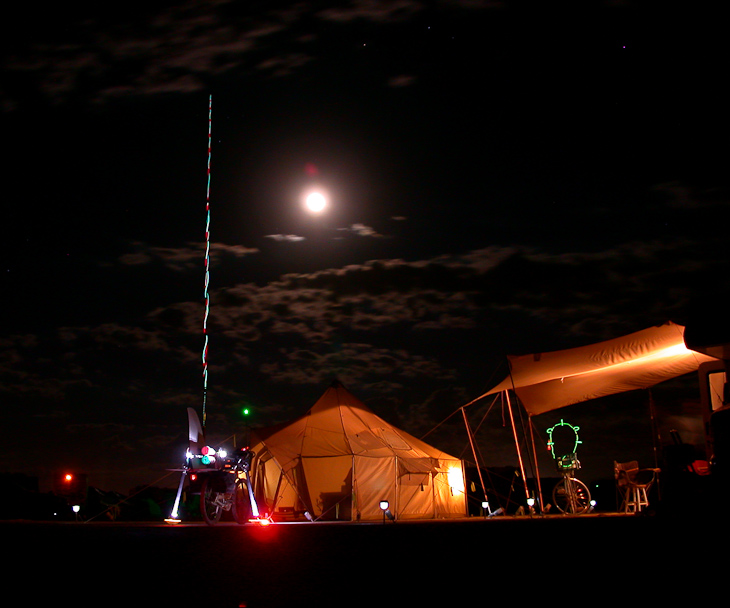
(548, 381)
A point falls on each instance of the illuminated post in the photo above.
(174, 514)
(537, 467)
(72, 487)
(384, 506)
(517, 444)
(474, 452)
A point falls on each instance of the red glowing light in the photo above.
(311, 169)
(68, 477)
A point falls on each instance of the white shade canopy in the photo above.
(548, 381)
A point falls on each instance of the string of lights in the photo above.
(207, 267)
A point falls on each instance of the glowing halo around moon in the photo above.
(315, 202)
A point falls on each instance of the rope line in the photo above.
(128, 498)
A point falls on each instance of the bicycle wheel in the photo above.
(241, 504)
(210, 507)
(571, 496)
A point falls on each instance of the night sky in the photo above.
(503, 178)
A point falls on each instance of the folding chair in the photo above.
(633, 485)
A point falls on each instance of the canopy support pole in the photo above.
(654, 437)
(537, 468)
(474, 453)
(353, 497)
(517, 444)
(291, 480)
(276, 493)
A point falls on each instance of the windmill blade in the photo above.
(196, 437)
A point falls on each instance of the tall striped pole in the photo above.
(207, 267)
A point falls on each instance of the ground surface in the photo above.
(403, 564)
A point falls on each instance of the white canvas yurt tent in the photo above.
(340, 461)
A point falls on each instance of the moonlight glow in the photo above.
(315, 202)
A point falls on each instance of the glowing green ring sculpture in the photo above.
(575, 430)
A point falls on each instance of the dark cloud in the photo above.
(183, 258)
(362, 230)
(292, 238)
(105, 54)
(388, 11)
(406, 336)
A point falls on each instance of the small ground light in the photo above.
(385, 508)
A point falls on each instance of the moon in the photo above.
(315, 202)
